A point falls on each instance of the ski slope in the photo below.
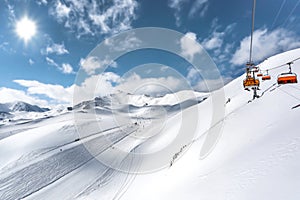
(256, 157)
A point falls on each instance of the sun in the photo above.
(26, 29)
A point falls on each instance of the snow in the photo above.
(87, 153)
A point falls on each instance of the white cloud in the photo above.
(189, 45)
(95, 17)
(55, 92)
(61, 10)
(58, 49)
(67, 68)
(96, 85)
(220, 51)
(214, 42)
(8, 95)
(216, 38)
(30, 61)
(91, 64)
(153, 86)
(127, 43)
(265, 44)
(51, 62)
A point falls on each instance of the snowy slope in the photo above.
(43, 156)
(256, 157)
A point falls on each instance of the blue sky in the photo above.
(42, 70)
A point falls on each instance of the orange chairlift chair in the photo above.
(266, 76)
(250, 82)
(287, 77)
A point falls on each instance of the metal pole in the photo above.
(254, 93)
(252, 30)
(255, 88)
(290, 67)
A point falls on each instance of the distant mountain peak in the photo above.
(21, 106)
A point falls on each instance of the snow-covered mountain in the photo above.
(20, 111)
(21, 106)
(93, 151)
(136, 100)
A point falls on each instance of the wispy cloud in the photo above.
(51, 62)
(11, 12)
(217, 35)
(199, 7)
(53, 48)
(213, 42)
(91, 64)
(30, 61)
(219, 45)
(61, 11)
(94, 17)
(177, 5)
(127, 43)
(5, 46)
(66, 68)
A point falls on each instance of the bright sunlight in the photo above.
(26, 29)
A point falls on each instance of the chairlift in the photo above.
(288, 77)
(266, 76)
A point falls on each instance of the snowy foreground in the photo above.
(100, 152)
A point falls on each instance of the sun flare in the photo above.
(26, 29)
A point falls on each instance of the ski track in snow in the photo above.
(32, 178)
